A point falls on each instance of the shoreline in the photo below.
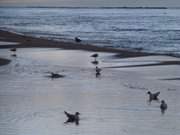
(24, 41)
(28, 42)
(33, 42)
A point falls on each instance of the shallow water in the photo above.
(33, 104)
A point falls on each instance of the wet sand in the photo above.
(115, 103)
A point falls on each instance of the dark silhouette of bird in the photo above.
(73, 118)
(98, 69)
(13, 49)
(163, 106)
(153, 96)
(77, 39)
(98, 74)
(14, 55)
(95, 55)
(95, 62)
(55, 75)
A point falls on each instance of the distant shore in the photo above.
(29, 42)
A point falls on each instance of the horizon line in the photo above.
(122, 7)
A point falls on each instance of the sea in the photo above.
(155, 30)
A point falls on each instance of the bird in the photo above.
(153, 96)
(13, 49)
(98, 69)
(98, 74)
(95, 62)
(163, 106)
(73, 118)
(55, 75)
(77, 39)
(95, 55)
(14, 55)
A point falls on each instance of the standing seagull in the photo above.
(13, 49)
(72, 117)
(95, 55)
(98, 74)
(98, 69)
(95, 62)
(14, 55)
(163, 106)
(77, 39)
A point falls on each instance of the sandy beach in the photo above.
(115, 103)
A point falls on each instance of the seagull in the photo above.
(77, 39)
(98, 74)
(72, 118)
(98, 69)
(163, 106)
(55, 75)
(13, 49)
(95, 55)
(95, 62)
(153, 96)
(14, 55)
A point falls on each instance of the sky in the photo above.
(92, 3)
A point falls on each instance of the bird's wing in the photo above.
(67, 114)
(157, 93)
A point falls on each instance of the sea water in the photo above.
(149, 30)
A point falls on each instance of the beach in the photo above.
(114, 103)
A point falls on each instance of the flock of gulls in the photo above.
(74, 118)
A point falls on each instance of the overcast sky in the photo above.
(90, 3)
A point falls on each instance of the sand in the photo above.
(115, 103)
